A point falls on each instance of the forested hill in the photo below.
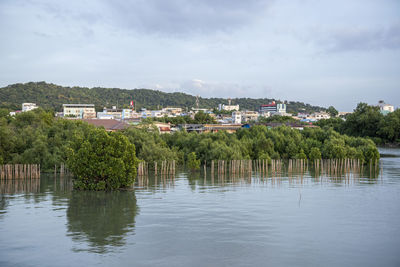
(52, 96)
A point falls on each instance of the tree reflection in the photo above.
(101, 219)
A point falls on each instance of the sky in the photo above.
(320, 52)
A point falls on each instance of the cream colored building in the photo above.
(228, 107)
(320, 115)
(249, 115)
(81, 111)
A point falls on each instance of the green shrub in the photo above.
(103, 161)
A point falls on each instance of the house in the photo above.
(163, 127)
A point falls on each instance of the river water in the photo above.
(192, 220)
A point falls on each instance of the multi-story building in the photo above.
(81, 111)
(28, 107)
(237, 117)
(249, 115)
(273, 108)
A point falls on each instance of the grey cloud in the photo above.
(351, 39)
(178, 17)
(169, 17)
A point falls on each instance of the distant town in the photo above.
(228, 117)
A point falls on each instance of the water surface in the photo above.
(295, 219)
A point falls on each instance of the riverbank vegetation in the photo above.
(38, 137)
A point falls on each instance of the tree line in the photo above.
(367, 121)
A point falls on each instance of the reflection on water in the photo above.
(305, 174)
(18, 186)
(101, 219)
(46, 183)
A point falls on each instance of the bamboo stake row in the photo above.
(261, 167)
(166, 170)
(20, 171)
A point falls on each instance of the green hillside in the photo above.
(52, 96)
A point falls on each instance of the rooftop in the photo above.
(78, 105)
(108, 124)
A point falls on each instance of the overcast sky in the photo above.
(325, 53)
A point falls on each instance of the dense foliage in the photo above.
(53, 96)
(367, 121)
(102, 161)
(259, 142)
(278, 119)
(37, 137)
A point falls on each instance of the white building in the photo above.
(28, 107)
(228, 107)
(273, 108)
(81, 111)
(385, 108)
(319, 116)
(236, 117)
